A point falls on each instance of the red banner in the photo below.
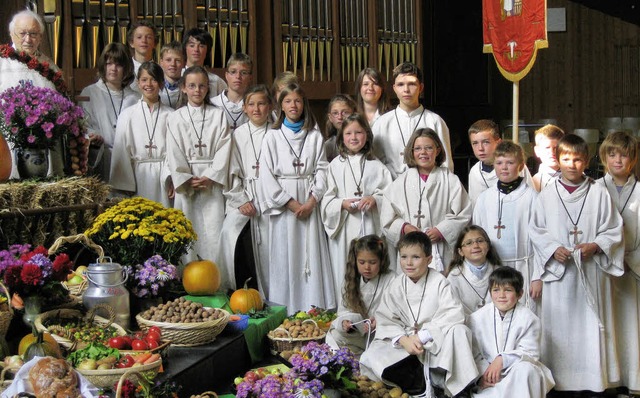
(513, 31)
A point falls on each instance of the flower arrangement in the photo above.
(150, 279)
(29, 272)
(7, 51)
(37, 117)
(280, 386)
(138, 228)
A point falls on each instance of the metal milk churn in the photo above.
(106, 285)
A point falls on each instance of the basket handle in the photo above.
(102, 306)
(82, 238)
(7, 369)
(208, 394)
(125, 376)
(310, 320)
(286, 331)
(6, 292)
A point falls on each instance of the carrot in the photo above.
(234, 318)
(152, 359)
(140, 358)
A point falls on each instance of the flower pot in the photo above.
(32, 162)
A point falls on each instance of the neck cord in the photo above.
(256, 155)
(499, 227)
(297, 156)
(151, 135)
(495, 327)
(482, 298)
(116, 113)
(374, 296)
(404, 143)
(199, 137)
(575, 224)
(630, 193)
(359, 191)
(235, 120)
(406, 297)
(168, 96)
(482, 175)
(420, 216)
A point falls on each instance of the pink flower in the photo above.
(31, 139)
(31, 275)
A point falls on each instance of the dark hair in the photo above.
(458, 260)
(507, 276)
(409, 158)
(307, 115)
(183, 100)
(571, 143)
(378, 80)
(367, 149)
(351, 295)
(416, 238)
(119, 54)
(330, 130)
(154, 70)
(407, 68)
(143, 23)
(620, 141)
(200, 35)
(485, 125)
(258, 89)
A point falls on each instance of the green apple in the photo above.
(75, 280)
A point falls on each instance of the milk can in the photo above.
(106, 285)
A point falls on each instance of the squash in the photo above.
(201, 278)
(40, 344)
(246, 299)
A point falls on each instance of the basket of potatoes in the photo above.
(294, 333)
(184, 322)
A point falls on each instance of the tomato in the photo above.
(155, 329)
(127, 342)
(139, 345)
(152, 335)
(126, 361)
(151, 343)
(139, 335)
(117, 342)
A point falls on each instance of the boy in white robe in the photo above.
(546, 139)
(506, 342)
(393, 129)
(484, 136)
(421, 340)
(577, 239)
(171, 61)
(505, 211)
(619, 155)
(142, 38)
(197, 45)
(239, 78)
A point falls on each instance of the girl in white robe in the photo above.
(139, 152)
(104, 101)
(509, 333)
(242, 196)
(370, 95)
(619, 155)
(293, 180)
(355, 183)
(198, 153)
(576, 234)
(366, 279)
(474, 259)
(427, 197)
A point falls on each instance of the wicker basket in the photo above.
(188, 334)
(279, 344)
(4, 382)
(206, 394)
(107, 378)
(67, 342)
(5, 316)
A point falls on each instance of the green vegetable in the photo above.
(94, 351)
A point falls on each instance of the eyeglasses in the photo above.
(33, 35)
(428, 149)
(341, 113)
(470, 242)
(242, 73)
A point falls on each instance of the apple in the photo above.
(251, 377)
(80, 270)
(238, 380)
(75, 280)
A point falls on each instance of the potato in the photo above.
(395, 392)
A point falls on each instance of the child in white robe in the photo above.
(506, 342)
(138, 164)
(239, 78)
(370, 95)
(341, 106)
(421, 341)
(546, 138)
(366, 278)
(244, 225)
(104, 101)
(355, 182)
(427, 197)
(619, 156)
(197, 44)
(577, 239)
(293, 181)
(474, 259)
(142, 38)
(505, 211)
(282, 80)
(198, 153)
(171, 61)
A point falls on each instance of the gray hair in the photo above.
(25, 14)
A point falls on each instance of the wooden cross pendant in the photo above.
(499, 227)
(358, 192)
(418, 217)
(200, 145)
(256, 168)
(415, 328)
(150, 147)
(575, 234)
(297, 164)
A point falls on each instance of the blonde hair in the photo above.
(619, 141)
(549, 131)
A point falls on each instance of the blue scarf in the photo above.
(295, 127)
(173, 86)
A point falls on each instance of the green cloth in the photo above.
(256, 333)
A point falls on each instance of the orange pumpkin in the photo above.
(246, 299)
(33, 338)
(201, 278)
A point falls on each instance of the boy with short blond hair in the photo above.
(546, 138)
(576, 234)
(238, 77)
(504, 211)
(171, 61)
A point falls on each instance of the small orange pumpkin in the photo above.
(201, 278)
(245, 299)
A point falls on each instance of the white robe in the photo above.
(517, 338)
(389, 140)
(545, 176)
(342, 226)
(514, 246)
(204, 207)
(578, 341)
(440, 314)
(445, 205)
(627, 287)
(136, 168)
(299, 264)
(216, 84)
(170, 98)
(480, 181)
(232, 110)
(102, 117)
(243, 187)
(371, 293)
(470, 290)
